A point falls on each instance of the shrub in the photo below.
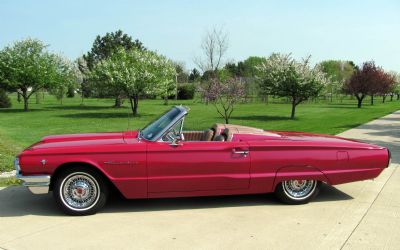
(186, 91)
(5, 101)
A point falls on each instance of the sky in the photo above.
(357, 30)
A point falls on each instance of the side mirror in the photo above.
(175, 142)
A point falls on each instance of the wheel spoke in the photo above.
(79, 191)
(299, 189)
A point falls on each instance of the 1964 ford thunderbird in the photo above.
(162, 160)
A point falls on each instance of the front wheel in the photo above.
(297, 192)
(80, 192)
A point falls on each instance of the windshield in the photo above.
(155, 128)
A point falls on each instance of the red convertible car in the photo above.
(162, 160)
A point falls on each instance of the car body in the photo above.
(162, 160)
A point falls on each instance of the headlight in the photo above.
(16, 165)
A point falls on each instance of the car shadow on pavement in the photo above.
(119, 205)
(18, 201)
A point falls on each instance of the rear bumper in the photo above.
(37, 184)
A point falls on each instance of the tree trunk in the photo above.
(372, 99)
(383, 99)
(293, 108)
(118, 101)
(165, 100)
(134, 104)
(226, 116)
(25, 103)
(18, 97)
(391, 97)
(26, 98)
(359, 101)
(398, 97)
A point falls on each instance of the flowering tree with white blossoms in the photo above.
(136, 73)
(27, 67)
(283, 76)
(67, 75)
(164, 78)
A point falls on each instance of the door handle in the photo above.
(240, 152)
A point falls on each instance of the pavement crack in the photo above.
(366, 212)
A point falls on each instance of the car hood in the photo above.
(83, 140)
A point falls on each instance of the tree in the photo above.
(337, 72)
(165, 72)
(283, 76)
(396, 88)
(181, 74)
(224, 94)
(387, 85)
(67, 78)
(83, 76)
(247, 71)
(236, 70)
(194, 75)
(365, 81)
(103, 47)
(252, 65)
(135, 73)
(27, 67)
(214, 46)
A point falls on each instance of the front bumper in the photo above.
(37, 184)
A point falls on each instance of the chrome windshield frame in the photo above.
(183, 112)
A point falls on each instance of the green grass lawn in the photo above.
(19, 129)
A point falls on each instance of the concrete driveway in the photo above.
(362, 215)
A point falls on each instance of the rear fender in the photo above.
(299, 172)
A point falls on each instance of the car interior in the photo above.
(219, 132)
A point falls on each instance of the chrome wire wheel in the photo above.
(79, 191)
(299, 189)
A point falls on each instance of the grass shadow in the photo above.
(82, 107)
(263, 118)
(103, 115)
(21, 110)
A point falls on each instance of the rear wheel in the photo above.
(80, 191)
(296, 192)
